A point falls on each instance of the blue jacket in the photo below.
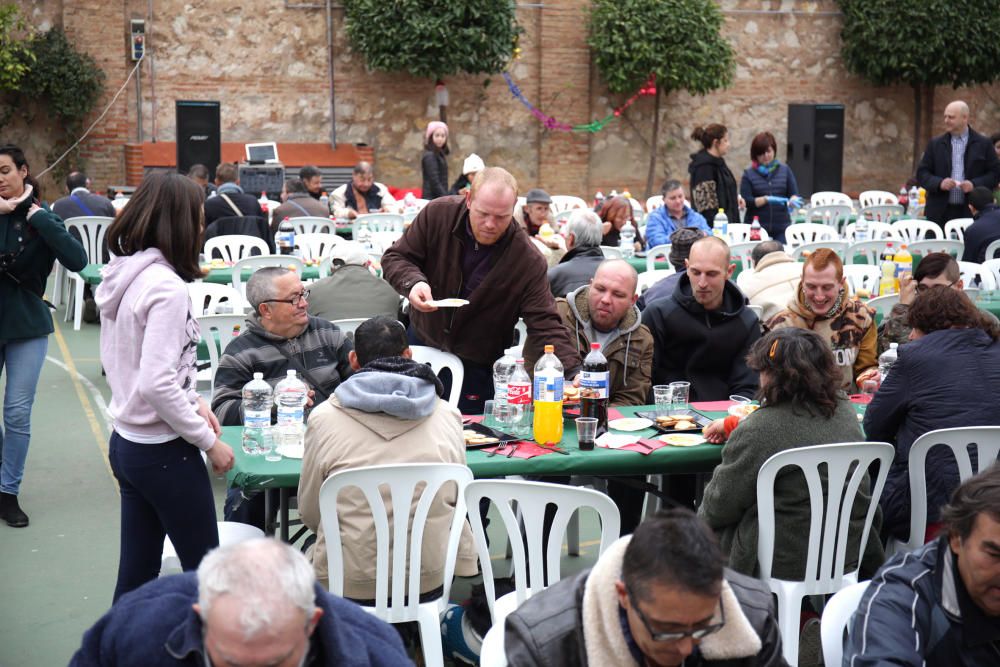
(946, 379)
(155, 626)
(981, 233)
(917, 612)
(774, 218)
(659, 225)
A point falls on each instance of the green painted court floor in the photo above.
(57, 575)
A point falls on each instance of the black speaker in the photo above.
(816, 146)
(199, 139)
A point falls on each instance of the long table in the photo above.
(254, 473)
(91, 274)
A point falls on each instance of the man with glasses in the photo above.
(279, 335)
(661, 596)
(936, 268)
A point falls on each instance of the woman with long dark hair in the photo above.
(712, 184)
(615, 212)
(767, 185)
(31, 240)
(149, 339)
(801, 405)
(944, 378)
(434, 162)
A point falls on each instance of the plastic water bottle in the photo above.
(291, 395)
(886, 360)
(720, 225)
(548, 422)
(861, 229)
(256, 414)
(914, 201)
(519, 398)
(503, 368)
(325, 201)
(627, 239)
(594, 388)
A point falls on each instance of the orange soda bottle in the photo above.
(548, 392)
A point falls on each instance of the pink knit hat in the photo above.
(434, 126)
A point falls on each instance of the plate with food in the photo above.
(477, 436)
(448, 303)
(678, 422)
(571, 395)
(630, 424)
(682, 439)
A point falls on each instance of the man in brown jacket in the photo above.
(466, 247)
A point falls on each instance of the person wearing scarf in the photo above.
(362, 195)
(769, 187)
(823, 305)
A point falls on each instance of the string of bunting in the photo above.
(550, 123)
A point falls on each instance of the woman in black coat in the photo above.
(712, 184)
(435, 160)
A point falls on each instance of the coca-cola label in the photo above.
(595, 383)
(519, 394)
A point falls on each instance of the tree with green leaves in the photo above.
(677, 41)
(922, 44)
(15, 57)
(433, 38)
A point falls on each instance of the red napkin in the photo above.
(713, 406)
(475, 419)
(644, 446)
(525, 450)
(613, 413)
(862, 399)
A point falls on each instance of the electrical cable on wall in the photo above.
(138, 63)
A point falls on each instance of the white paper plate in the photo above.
(682, 439)
(448, 303)
(614, 440)
(291, 451)
(630, 424)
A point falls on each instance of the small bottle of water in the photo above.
(503, 368)
(291, 395)
(324, 199)
(720, 225)
(256, 414)
(627, 239)
(886, 360)
(861, 229)
(914, 201)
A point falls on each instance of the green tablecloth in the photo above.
(91, 274)
(253, 472)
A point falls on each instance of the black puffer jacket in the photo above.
(435, 171)
(713, 187)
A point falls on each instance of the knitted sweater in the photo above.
(730, 502)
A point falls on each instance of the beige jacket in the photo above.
(772, 284)
(339, 438)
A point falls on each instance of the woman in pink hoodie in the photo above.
(149, 339)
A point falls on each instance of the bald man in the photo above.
(955, 163)
(362, 195)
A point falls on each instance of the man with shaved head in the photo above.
(703, 331)
(955, 163)
(361, 195)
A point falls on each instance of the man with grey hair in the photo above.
(361, 195)
(579, 264)
(953, 164)
(250, 603)
(279, 335)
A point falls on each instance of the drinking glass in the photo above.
(586, 432)
(269, 445)
(661, 397)
(868, 389)
(679, 393)
(490, 416)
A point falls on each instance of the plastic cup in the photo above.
(661, 397)
(679, 393)
(868, 389)
(586, 433)
(490, 416)
(269, 445)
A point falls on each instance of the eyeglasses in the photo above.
(697, 634)
(923, 287)
(296, 299)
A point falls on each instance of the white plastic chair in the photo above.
(876, 230)
(230, 532)
(883, 304)
(653, 203)
(399, 542)
(649, 278)
(611, 252)
(743, 252)
(756, 310)
(439, 360)
(987, 444)
(883, 213)
(993, 250)
(380, 241)
(917, 230)
(831, 215)
(845, 465)
(217, 332)
(380, 222)
(529, 566)
(260, 262)
(739, 232)
(809, 232)
(871, 250)
(877, 198)
(308, 224)
(829, 199)
(863, 276)
(91, 229)
(234, 247)
(971, 270)
(839, 247)
(349, 325)
(836, 619)
(206, 298)
(562, 203)
(950, 246)
(316, 246)
(661, 252)
(493, 653)
(993, 266)
(955, 228)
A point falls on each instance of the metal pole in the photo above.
(152, 72)
(329, 59)
(138, 103)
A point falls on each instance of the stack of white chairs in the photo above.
(809, 232)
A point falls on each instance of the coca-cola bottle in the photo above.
(755, 229)
(519, 399)
(594, 388)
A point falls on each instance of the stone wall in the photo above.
(266, 61)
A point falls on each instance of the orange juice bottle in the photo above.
(548, 398)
